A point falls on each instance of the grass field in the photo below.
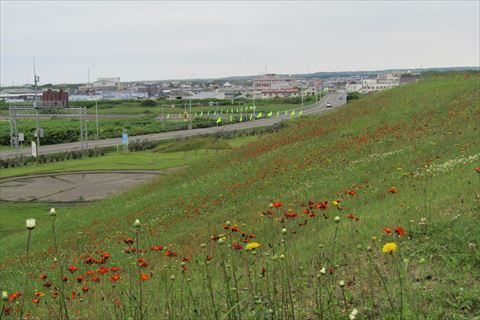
(253, 233)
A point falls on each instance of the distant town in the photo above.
(265, 86)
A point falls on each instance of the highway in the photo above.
(336, 99)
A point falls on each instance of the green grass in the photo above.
(166, 155)
(421, 138)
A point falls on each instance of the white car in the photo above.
(329, 105)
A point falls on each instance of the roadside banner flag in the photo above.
(278, 114)
(237, 109)
(34, 149)
(231, 118)
(270, 114)
(293, 113)
(251, 117)
(259, 115)
(219, 120)
(201, 114)
(231, 110)
(286, 112)
(168, 116)
(300, 113)
(241, 117)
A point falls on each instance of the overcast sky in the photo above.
(165, 40)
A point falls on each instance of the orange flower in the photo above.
(36, 301)
(156, 248)
(14, 296)
(400, 231)
(72, 268)
(42, 277)
(115, 278)
(114, 269)
(276, 204)
(102, 270)
(393, 190)
(387, 230)
(477, 169)
(144, 277)
(105, 255)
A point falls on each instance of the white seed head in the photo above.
(30, 223)
(284, 231)
(323, 270)
(52, 212)
(337, 219)
(4, 295)
(137, 224)
(353, 314)
(341, 283)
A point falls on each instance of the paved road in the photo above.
(336, 99)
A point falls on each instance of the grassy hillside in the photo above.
(396, 167)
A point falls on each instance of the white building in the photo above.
(273, 81)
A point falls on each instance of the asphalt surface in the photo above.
(72, 187)
(336, 99)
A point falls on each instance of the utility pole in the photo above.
(36, 80)
(190, 115)
(96, 112)
(253, 95)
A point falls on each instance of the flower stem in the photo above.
(383, 283)
(25, 286)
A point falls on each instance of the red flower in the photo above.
(477, 169)
(142, 263)
(393, 190)
(264, 270)
(80, 279)
(331, 270)
(156, 248)
(322, 205)
(169, 253)
(14, 296)
(234, 229)
(36, 301)
(277, 204)
(85, 289)
(251, 236)
(128, 240)
(387, 230)
(74, 295)
(130, 250)
(352, 193)
(400, 231)
(186, 259)
(352, 216)
(72, 269)
(102, 270)
(237, 246)
(65, 279)
(90, 272)
(209, 258)
(115, 278)
(89, 260)
(95, 279)
(47, 284)
(290, 215)
(105, 255)
(114, 269)
(42, 277)
(144, 277)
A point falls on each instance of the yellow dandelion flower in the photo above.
(252, 246)
(389, 247)
(336, 202)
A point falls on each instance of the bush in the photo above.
(148, 103)
(353, 96)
